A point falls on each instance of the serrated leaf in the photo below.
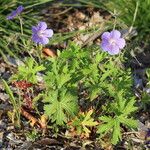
(70, 104)
(128, 121)
(88, 115)
(99, 57)
(62, 79)
(94, 92)
(90, 123)
(105, 75)
(105, 118)
(129, 107)
(86, 130)
(116, 132)
(50, 109)
(105, 127)
(60, 106)
(120, 100)
(39, 68)
(59, 114)
(28, 71)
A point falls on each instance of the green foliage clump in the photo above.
(28, 71)
(60, 106)
(104, 79)
(82, 122)
(120, 112)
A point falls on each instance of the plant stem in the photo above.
(39, 51)
(134, 17)
(21, 25)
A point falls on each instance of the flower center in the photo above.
(40, 33)
(112, 41)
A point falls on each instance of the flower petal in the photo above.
(12, 15)
(20, 9)
(106, 35)
(34, 29)
(105, 45)
(113, 50)
(35, 38)
(115, 34)
(15, 13)
(44, 41)
(42, 25)
(121, 43)
(48, 33)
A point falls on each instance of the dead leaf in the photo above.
(49, 52)
(34, 121)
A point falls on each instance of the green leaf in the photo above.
(62, 79)
(10, 93)
(94, 92)
(129, 107)
(99, 57)
(88, 120)
(106, 127)
(116, 132)
(128, 121)
(28, 71)
(59, 114)
(86, 130)
(61, 106)
(105, 118)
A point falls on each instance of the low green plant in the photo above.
(81, 124)
(28, 71)
(60, 105)
(16, 102)
(61, 95)
(121, 111)
(148, 76)
(104, 80)
(32, 136)
(96, 72)
(145, 100)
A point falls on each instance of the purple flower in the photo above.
(112, 42)
(40, 33)
(15, 13)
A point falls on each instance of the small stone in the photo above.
(40, 77)
(2, 69)
(147, 90)
(15, 62)
(137, 140)
(1, 139)
(13, 139)
(9, 128)
(80, 15)
(138, 82)
(2, 125)
(1, 86)
(6, 75)
(3, 96)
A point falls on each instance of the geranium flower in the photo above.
(40, 33)
(15, 13)
(112, 42)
